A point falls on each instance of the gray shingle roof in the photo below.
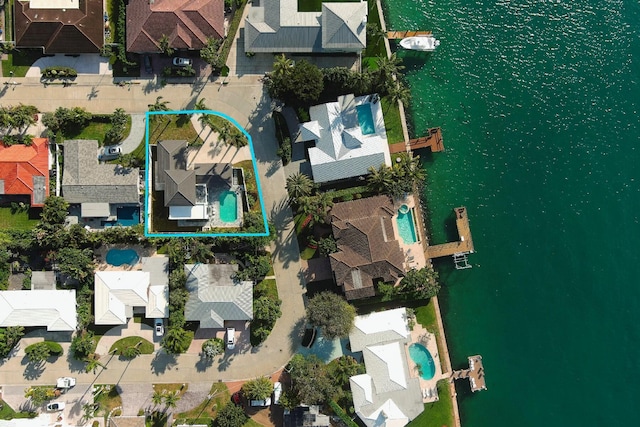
(277, 26)
(86, 181)
(215, 297)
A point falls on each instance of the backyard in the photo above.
(207, 410)
(173, 127)
(16, 219)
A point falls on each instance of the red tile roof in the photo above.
(60, 30)
(187, 23)
(367, 247)
(20, 163)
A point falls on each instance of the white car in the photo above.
(158, 326)
(55, 406)
(182, 62)
(277, 392)
(231, 338)
(65, 382)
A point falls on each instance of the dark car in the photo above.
(147, 64)
(237, 398)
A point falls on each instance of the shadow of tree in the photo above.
(32, 371)
(225, 362)
(75, 365)
(203, 364)
(296, 334)
(163, 362)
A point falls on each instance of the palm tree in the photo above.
(171, 399)
(165, 45)
(200, 105)
(299, 185)
(157, 397)
(398, 91)
(282, 66)
(159, 105)
(237, 138)
(93, 363)
(387, 69)
(380, 179)
(316, 206)
(224, 131)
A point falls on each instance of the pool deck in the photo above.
(101, 256)
(413, 252)
(429, 387)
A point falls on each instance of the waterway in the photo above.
(538, 102)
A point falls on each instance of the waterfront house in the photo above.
(348, 137)
(100, 195)
(121, 294)
(215, 297)
(60, 26)
(368, 250)
(186, 23)
(385, 395)
(53, 309)
(24, 172)
(276, 26)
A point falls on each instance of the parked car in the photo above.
(65, 382)
(277, 392)
(112, 151)
(147, 64)
(158, 327)
(55, 406)
(182, 62)
(231, 338)
(237, 398)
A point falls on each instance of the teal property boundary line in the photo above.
(148, 192)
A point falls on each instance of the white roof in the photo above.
(42, 420)
(117, 292)
(54, 4)
(342, 150)
(95, 210)
(386, 395)
(51, 308)
(188, 212)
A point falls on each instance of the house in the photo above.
(368, 250)
(121, 294)
(103, 191)
(24, 172)
(385, 395)
(186, 23)
(188, 189)
(60, 26)
(215, 296)
(55, 310)
(277, 26)
(349, 137)
(305, 416)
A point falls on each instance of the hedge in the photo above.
(342, 414)
(58, 72)
(54, 348)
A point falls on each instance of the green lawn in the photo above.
(426, 316)
(392, 121)
(108, 399)
(144, 346)
(20, 62)
(437, 414)
(251, 423)
(375, 45)
(16, 221)
(316, 5)
(209, 407)
(7, 412)
(172, 126)
(96, 130)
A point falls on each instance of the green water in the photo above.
(538, 102)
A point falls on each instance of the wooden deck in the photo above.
(395, 35)
(463, 245)
(432, 140)
(475, 374)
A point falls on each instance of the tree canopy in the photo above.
(258, 389)
(332, 314)
(298, 85)
(310, 380)
(230, 416)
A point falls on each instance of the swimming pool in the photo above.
(118, 257)
(127, 216)
(365, 119)
(421, 356)
(228, 206)
(406, 228)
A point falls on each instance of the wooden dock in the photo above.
(396, 35)
(464, 244)
(432, 140)
(475, 374)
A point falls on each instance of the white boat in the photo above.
(422, 43)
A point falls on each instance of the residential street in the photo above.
(244, 100)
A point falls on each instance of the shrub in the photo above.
(59, 72)
(284, 152)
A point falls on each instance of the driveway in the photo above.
(83, 64)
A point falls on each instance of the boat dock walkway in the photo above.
(475, 374)
(463, 246)
(396, 35)
(432, 140)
